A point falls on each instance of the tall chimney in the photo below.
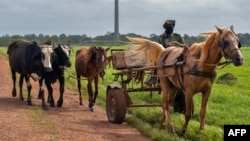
(116, 21)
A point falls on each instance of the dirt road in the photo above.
(72, 122)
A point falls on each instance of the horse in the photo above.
(196, 73)
(60, 61)
(29, 60)
(90, 63)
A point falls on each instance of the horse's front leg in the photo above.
(78, 77)
(205, 96)
(96, 89)
(60, 100)
(188, 110)
(90, 92)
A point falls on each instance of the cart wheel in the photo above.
(115, 105)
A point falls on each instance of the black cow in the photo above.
(60, 61)
(28, 59)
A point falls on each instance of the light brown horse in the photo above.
(198, 72)
(89, 63)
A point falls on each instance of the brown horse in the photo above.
(196, 74)
(89, 63)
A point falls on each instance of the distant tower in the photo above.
(116, 21)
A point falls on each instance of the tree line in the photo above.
(107, 39)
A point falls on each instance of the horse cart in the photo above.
(130, 76)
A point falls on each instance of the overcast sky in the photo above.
(143, 17)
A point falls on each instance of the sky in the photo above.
(142, 17)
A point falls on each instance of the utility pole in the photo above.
(116, 21)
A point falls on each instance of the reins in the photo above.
(222, 64)
(194, 71)
(71, 76)
(86, 78)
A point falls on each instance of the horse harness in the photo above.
(194, 71)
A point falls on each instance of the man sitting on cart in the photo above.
(166, 38)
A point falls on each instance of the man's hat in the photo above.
(169, 22)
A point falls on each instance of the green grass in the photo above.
(228, 104)
(38, 115)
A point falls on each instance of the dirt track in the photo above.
(20, 122)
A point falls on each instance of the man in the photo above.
(166, 38)
(168, 35)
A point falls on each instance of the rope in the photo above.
(224, 64)
(86, 78)
(71, 76)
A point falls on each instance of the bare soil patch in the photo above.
(21, 122)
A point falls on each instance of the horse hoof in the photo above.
(201, 131)
(179, 134)
(80, 103)
(182, 133)
(172, 132)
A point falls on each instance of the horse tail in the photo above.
(151, 49)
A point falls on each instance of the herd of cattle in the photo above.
(44, 63)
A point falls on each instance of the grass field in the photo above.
(229, 103)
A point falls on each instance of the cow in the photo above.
(29, 60)
(61, 60)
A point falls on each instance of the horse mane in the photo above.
(206, 45)
(214, 38)
(151, 49)
(209, 42)
(91, 54)
(195, 50)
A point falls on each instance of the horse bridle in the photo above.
(223, 44)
